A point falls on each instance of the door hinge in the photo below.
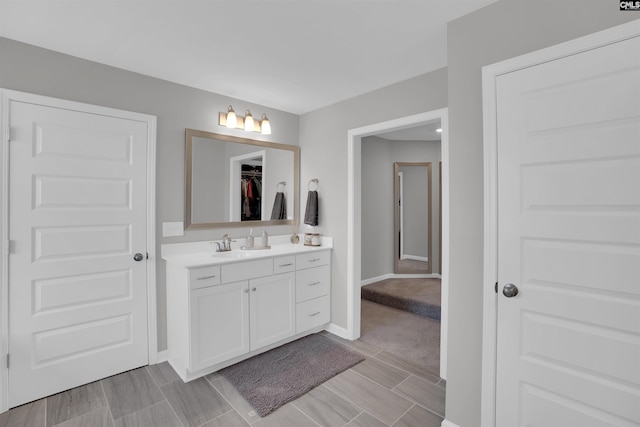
(496, 287)
(7, 360)
(8, 248)
(9, 134)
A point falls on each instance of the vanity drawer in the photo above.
(312, 259)
(313, 313)
(244, 270)
(284, 264)
(204, 276)
(312, 283)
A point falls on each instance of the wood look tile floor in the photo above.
(384, 390)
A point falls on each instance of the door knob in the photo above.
(138, 257)
(510, 290)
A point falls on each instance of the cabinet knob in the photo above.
(253, 289)
(246, 291)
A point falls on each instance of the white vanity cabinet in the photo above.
(220, 314)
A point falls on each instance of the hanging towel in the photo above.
(311, 213)
(279, 207)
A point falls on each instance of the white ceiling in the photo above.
(292, 55)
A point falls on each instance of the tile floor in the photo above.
(384, 390)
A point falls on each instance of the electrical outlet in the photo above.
(172, 229)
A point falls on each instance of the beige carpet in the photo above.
(410, 336)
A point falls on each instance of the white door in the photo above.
(77, 216)
(569, 239)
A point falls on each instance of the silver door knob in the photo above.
(510, 290)
(138, 257)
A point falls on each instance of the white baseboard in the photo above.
(399, 276)
(447, 423)
(376, 279)
(337, 330)
(414, 257)
(163, 356)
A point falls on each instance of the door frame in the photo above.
(490, 73)
(354, 211)
(6, 96)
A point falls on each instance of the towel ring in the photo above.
(313, 181)
(281, 183)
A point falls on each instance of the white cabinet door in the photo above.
(219, 324)
(272, 309)
(569, 239)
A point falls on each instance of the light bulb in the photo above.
(248, 122)
(265, 126)
(232, 120)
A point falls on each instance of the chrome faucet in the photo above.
(225, 244)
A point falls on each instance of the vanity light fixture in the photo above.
(231, 120)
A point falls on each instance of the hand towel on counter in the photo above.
(279, 207)
(311, 213)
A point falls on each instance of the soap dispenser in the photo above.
(265, 238)
(249, 242)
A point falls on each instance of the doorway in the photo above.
(355, 208)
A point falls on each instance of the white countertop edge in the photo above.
(200, 254)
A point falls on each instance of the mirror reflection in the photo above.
(412, 193)
(235, 181)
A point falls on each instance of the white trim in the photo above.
(6, 96)
(162, 356)
(4, 259)
(337, 330)
(152, 303)
(447, 423)
(235, 174)
(399, 276)
(354, 202)
(414, 257)
(489, 75)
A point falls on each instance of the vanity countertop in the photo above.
(201, 254)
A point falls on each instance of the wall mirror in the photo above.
(238, 182)
(412, 219)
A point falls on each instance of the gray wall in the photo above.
(323, 142)
(31, 69)
(497, 32)
(378, 156)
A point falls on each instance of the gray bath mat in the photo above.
(269, 380)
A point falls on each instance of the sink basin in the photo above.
(232, 255)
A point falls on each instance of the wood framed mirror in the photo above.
(239, 182)
(412, 218)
